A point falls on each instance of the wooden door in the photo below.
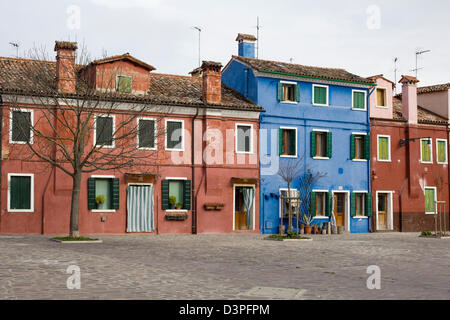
(339, 209)
(382, 211)
(240, 216)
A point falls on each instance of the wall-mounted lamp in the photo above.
(404, 142)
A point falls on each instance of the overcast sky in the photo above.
(358, 35)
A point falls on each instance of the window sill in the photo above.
(359, 160)
(382, 107)
(443, 163)
(175, 150)
(359, 109)
(320, 217)
(426, 162)
(320, 105)
(176, 211)
(321, 158)
(288, 156)
(103, 211)
(147, 149)
(19, 142)
(384, 160)
(289, 102)
(20, 211)
(360, 217)
(430, 213)
(243, 152)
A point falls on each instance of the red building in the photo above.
(409, 159)
(202, 181)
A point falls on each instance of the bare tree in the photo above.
(66, 125)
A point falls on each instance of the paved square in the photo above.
(226, 267)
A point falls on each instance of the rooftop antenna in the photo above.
(16, 45)
(418, 53)
(199, 44)
(395, 74)
(258, 26)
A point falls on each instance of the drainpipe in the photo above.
(246, 83)
(369, 173)
(194, 196)
(1, 154)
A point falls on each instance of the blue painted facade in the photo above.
(343, 175)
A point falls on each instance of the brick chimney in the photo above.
(212, 81)
(409, 98)
(246, 45)
(65, 66)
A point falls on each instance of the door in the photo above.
(382, 211)
(244, 199)
(140, 208)
(339, 209)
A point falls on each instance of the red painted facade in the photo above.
(405, 177)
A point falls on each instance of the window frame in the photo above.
(327, 104)
(31, 111)
(111, 178)
(326, 133)
(113, 131)
(353, 100)
(137, 135)
(237, 138)
(296, 142)
(431, 151)
(363, 203)
(176, 210)
(385, 97)
(362, 134)
(437, 151)
(182, 149)
(124, 76)
(31, 210)
(389, 148)
(293, 84)
(325, 194)
(435, 198)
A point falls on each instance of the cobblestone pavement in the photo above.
(226, 267)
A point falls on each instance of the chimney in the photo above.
(65, 66)
(212, 81)
(246, 45)
(409, 98)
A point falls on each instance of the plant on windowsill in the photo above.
(176, 216)
(179, 206)
(100, 200)
(172, 202)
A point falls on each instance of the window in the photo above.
(103, 193)
(441, 149)
(104, 131)
(360, 147)
(20, 131)
(321, 144)
(20, 193)
(426, 151)
(176, 192)
(288, 92)
(244, 139)
(430, 200)
(361, 204)
(288, 142)
(146, 134)
(384, 148)
(321, 204)
(359, 100)
(175, 135)
(320, 95)
(381, 97)
(124, 84)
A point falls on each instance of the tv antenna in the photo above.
(258, 26)
(395, 74)
(418, 53)
(15, 45)
(199, 44)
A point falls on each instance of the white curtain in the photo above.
(140, 209)
(249, 196)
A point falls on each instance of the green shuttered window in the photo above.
(442, 151)
(109, 188)
(359, 147)
(20, 126)
(287, 142)
(320, 95)
(180, 189)
(146, 133)
(430, 197)
(426, 150)
(312, 207)
(321, 144)
(288, 92)
(359, 100)
(20, 193)
(124, 84)
(104, 130)
(361, 204)
(384, 149)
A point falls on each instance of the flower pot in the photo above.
(100, 205)
(172, 206)
(308, 229)
(316, 230)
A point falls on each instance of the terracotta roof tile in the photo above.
(424, 116)
(301, 70)
(434, 88)
(243, 36)
(125, 56)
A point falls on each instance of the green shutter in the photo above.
(426, 154)
(329, 204)
(358, 100)
(124, 84)
(280, 142)
(280, 91)
(369, 205)
(429, 200)
(353, 204)
(320, 95)
(313, 144)
(187, 195)
(383, 147)
(297, 93)
(115, 193)
(442, 158)
(20, 193)
(352, 146)
(329, 145)
(293, 143)
(91, 194)
(312, 206)
(165, 194)
(367, 147)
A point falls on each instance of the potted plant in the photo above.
(179, 206)
(306, 222)
(316, 228)
(172, 202)
(100, 200)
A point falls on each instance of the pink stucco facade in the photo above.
(381, 112)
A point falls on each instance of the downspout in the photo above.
(1, 156)
(194, 195)
(369, 172)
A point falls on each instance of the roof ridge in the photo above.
(292, 64)
(26, 59)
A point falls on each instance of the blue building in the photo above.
(316, 116)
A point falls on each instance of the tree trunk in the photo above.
(74, 210)
(289, 208)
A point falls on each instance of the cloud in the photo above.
(126, 4)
